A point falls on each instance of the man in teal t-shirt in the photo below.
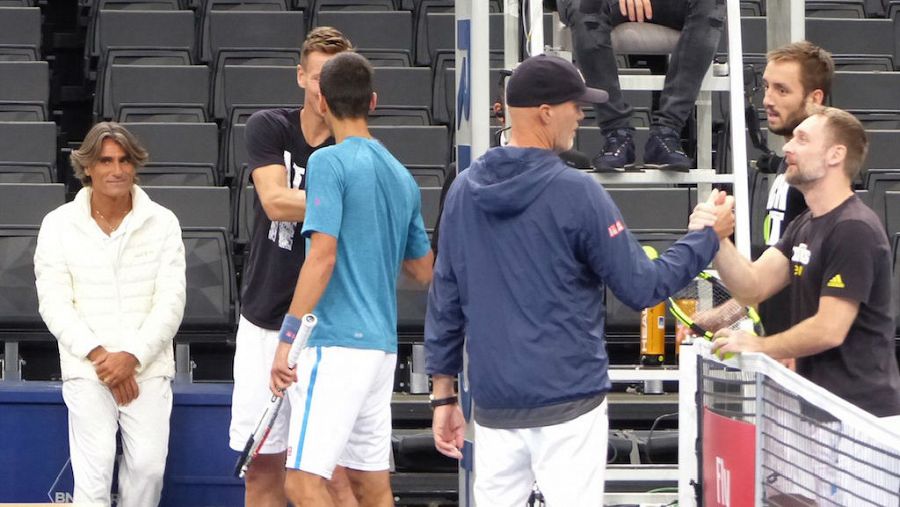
(363, 223)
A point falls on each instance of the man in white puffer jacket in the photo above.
(110, 269)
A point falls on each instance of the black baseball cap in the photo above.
(545, 79)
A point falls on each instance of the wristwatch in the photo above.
(439, 402)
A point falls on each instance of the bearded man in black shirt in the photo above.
(837, 261)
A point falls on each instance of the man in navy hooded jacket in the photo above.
(526, 245)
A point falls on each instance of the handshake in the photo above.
(717, 212)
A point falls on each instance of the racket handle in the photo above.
(307, 323)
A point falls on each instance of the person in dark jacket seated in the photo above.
(526, 245)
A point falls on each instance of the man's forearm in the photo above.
(736, 272)
(285, 204)
(807, 338)
(442, 386)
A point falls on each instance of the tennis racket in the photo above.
(264, 426)
(706, 306)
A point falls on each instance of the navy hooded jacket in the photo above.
(526, 245)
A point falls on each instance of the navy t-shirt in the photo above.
(277, 249)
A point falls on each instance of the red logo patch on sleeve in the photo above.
(615, 229)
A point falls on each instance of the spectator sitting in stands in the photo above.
(110, 272)
(592, 22)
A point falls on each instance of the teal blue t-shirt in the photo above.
(357, 192)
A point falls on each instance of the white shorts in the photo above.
(567, 460)
(253, 356)
(342, 410)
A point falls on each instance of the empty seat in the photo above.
(236, 157)
(428, 176)
(879, 184)
(884, 150)
(855, 9)
(252, 38)
(431, 205)
(208, 7)
(412, 301)
(159, 93)
(244, 207)
(28, 204)
(25, 172)
(92, 44)
(24, 91)
(210, 307)
(144, 29)
(653, 209)
(415, 145)
(186, 153)
(32, 142)
(257, 86)
(403, 92)
(384, 37)
(140, 38)
(753, 37)
(440, 37)
(196, 207)
(316, 6)
(18, 293)
(870, 48)
(20, 33)
(873, 91)
(892, 210)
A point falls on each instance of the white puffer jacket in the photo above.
(133, 305)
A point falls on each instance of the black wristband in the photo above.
(440, 402)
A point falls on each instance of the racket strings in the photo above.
(711, 307)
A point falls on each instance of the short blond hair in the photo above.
(89, 151)
(324, 39)
(845, 129)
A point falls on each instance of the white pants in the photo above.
(94, 418)
(567, 460)
(342, 410)
(253, 356)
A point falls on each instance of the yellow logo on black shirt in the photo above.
(836, 282)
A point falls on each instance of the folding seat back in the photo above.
(259, 86)
(20, 33)
(403, 91)
(379, 34)
(33, 142)
(28, 204)
(415, 145)
(160, 93)
(24, 91)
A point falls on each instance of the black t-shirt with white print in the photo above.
(277, 249)
(845, 253)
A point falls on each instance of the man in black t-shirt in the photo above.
(279, 143)
(837, 261)
(797, 76)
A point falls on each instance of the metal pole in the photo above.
(472, 140)
(687, 425)
(739, 159)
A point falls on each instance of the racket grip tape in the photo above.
(304, 330)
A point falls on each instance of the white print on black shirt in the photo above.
(776, 206)
(282, 233)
